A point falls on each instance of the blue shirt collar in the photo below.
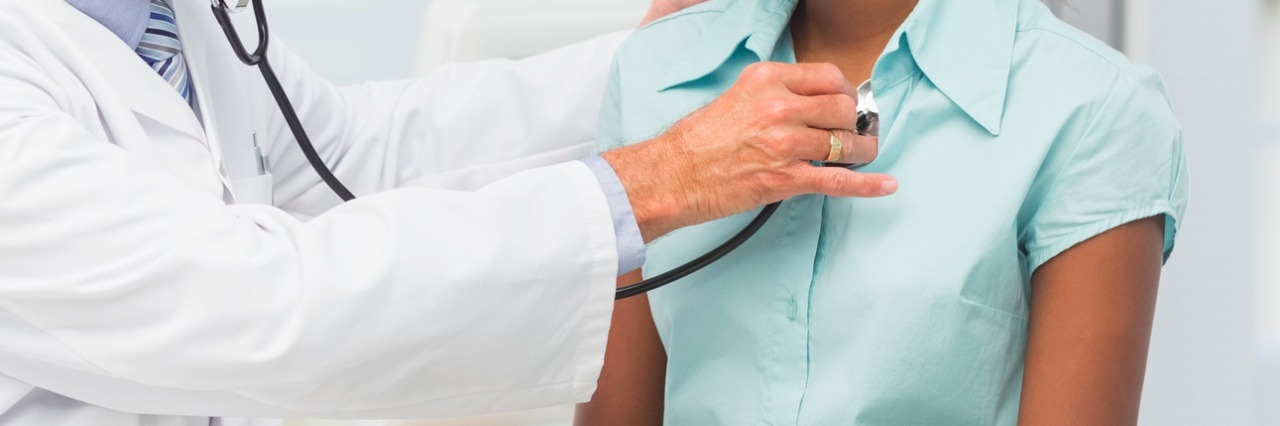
(964, 47)
(128, 19)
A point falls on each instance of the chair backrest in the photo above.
(469, 30)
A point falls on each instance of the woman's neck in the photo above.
(848, 33)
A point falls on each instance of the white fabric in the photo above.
(468, 30)
(129, 284)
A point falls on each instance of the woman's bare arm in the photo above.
(635, 365)
(1091, 313)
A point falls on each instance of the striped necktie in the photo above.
(161, 49)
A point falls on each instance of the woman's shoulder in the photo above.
(642, 69)
(1048, 51)
(689, 16)
(660, 41)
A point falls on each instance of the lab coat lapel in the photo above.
(195, 31)
(228, 91)
(140, 87)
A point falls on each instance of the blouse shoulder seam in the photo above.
(1119, 66)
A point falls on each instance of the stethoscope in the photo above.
(868, 125)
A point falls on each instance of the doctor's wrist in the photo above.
(656, 198)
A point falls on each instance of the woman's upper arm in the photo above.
(631, 386)
(1101, 222)
(1091, 314)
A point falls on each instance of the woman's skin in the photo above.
(1091, 306)
(630, 389)
(848, 33)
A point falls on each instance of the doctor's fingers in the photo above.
(823, 112)
(842, 182)
(816, 144)
(806, 79)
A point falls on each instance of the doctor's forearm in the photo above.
(233, 308)
(461, 117)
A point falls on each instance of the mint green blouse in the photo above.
(1014, 137)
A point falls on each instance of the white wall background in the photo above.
(1215, 356)
(1204, 367)
(1269, 263)
(352, 41)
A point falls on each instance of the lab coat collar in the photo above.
(145, 92)
(964, 47)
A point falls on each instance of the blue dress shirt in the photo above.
(1014, 137)
(128, 20)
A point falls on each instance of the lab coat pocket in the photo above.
(254, 190)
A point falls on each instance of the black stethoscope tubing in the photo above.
(259, 59)
(702, 261)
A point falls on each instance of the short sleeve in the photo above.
(1129, 165)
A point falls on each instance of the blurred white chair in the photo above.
(470, 30)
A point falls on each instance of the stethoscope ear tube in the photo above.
(222, 10)
(259, 58)
(701, 262)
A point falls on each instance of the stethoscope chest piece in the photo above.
(868, 118)
(868, 112)
(868, 125)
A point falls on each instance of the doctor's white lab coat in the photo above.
(143, 269)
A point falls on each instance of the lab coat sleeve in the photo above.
(461, 127)
(123, 288)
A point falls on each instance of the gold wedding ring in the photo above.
(837, 148)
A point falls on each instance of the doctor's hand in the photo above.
(754, 145)
(661, 8)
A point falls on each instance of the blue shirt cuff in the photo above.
(631, 252)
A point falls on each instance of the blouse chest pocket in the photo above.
(997, 279)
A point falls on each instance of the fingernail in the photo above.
(889, 186)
